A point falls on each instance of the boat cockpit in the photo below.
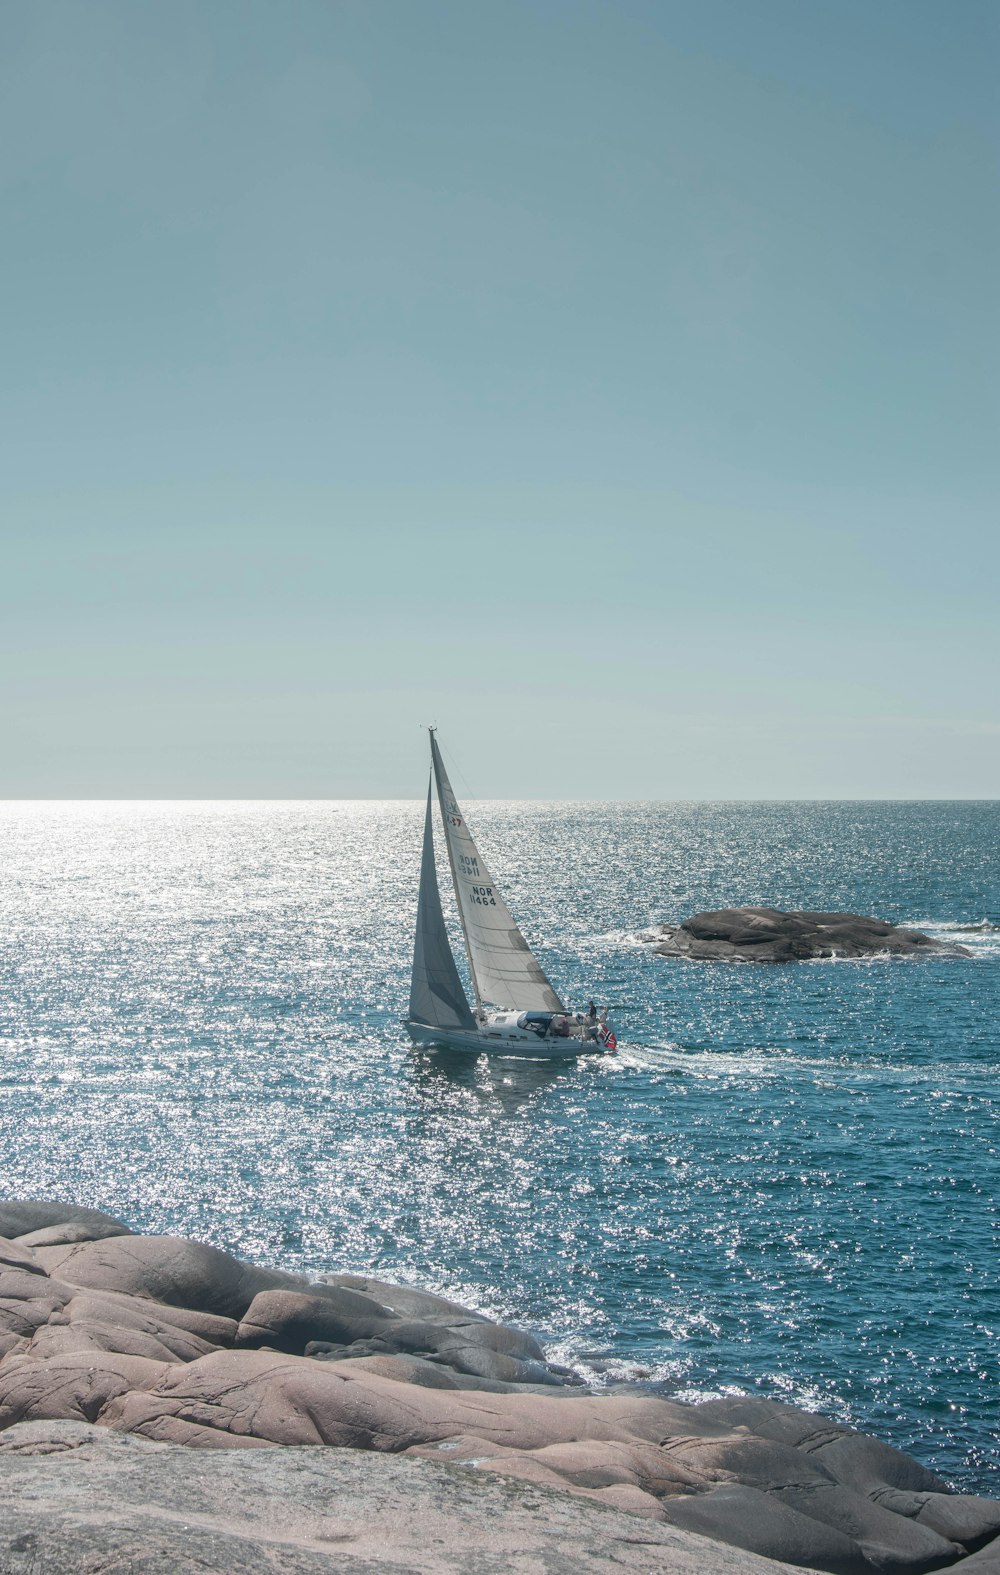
(548, 1025)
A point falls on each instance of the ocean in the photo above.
(784, 1183)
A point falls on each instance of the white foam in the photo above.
(981, 936)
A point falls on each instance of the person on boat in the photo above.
(560, 1026)
(591, 1012)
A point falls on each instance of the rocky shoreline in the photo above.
(773, 936)
(117, 1348)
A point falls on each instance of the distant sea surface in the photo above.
(785, 1183)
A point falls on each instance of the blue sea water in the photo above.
(785, 1183)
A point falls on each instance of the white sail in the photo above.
(436, 994)
(504, 972)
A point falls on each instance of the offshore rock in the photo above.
(769, 935)
(175, 1343)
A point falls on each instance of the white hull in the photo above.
(505, 1042)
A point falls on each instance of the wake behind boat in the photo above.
(517, 1012)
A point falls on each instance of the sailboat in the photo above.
(517, 1012)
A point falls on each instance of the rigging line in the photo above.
(454, 767)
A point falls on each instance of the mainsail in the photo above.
(436, 994)
(504, 971)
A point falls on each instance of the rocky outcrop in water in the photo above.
(177, 1343)
(769, 935)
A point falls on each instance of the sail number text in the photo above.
(470, 869)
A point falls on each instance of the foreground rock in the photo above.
(177, 1343)
(74, 1497)
(769, 935)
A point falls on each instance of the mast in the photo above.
(436, 761)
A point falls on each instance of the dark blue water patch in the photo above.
(785, 1183)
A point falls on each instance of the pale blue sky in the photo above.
(615, 385)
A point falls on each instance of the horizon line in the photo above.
(374, 798)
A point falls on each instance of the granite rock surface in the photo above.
(769, 935)
(81, 1498)
(176, 1343)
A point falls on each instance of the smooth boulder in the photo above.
(60, 1222)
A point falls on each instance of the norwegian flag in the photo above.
(608, 1039)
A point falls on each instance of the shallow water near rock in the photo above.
(784, 1183)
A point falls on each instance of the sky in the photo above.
(613, 385)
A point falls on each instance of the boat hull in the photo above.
(487, 1041)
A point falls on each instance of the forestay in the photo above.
(504, 971)
(436, 994)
